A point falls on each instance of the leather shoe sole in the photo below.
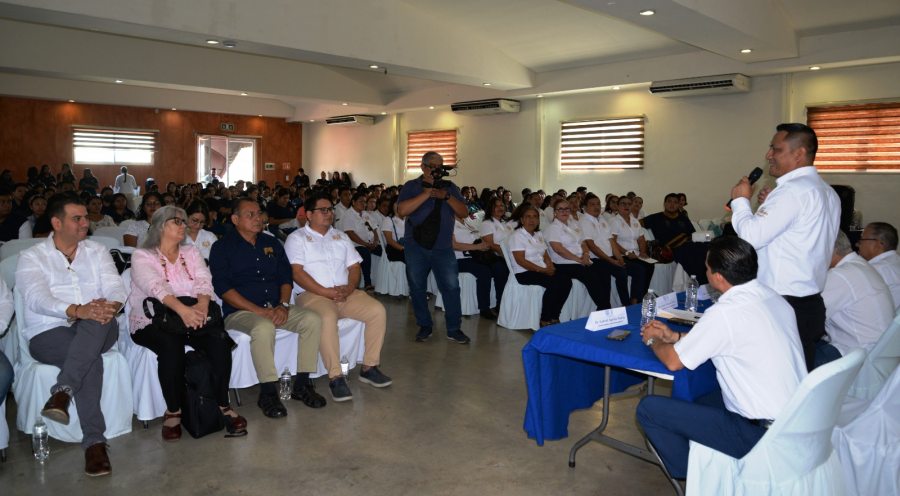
(57, 408)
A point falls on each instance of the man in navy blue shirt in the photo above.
(252, 275)
(431, 205)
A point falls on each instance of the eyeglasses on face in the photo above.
(564, 209)
(324, 210)
(178, 221)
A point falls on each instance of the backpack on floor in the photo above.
(200, 414)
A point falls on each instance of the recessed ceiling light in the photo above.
(229, 44)
(312, 120)
(431, 107)
(384, 113)
(259, 115)
(373, 66)
(647, 12)
(344, 104)
(119, 81)
(747, 50)
(212, 42)
(615, 87)
(814, 68)
(540, 96)
(485, 84)
(173, 108)
(71, 101)
(243, 93)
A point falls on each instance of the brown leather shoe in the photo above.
(238, 423)
(57, 407)
(96, 461)
(171, 434)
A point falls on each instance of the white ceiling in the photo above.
(301, 59)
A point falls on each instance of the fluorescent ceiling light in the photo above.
(212, 42)
(647, 12)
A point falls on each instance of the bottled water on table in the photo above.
(284, 385)
(648, 308)
(690, 296)
(40, 440)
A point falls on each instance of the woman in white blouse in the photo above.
(532, 265)
(465, 242)
(628, 236)
(569, 251)
(493, 231)
(96, 217)
(393, 228)
(137, 230)
(197, 213)
(38, 205)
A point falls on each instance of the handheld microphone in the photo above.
(754, 176)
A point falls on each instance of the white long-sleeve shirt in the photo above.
(793, 232)
(125, 184)
(49, 284)
(887, 265)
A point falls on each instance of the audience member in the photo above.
(71, 292)
(672, 229)
(197, 215)
(96, 218)
(88, 182)
(793, 230)
(9, 220)
(878, 245)
(751, 337)
(605, 254)
(119, 211)
(393, 229)
(126, 184)
(571, 257)
(356, 225)
(136, 231)
(466, 244)
(628, 237)
(37, 205)
(6, 314)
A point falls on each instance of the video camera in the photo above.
(439, 173)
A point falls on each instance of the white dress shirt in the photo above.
(533, 246)
(7, 308)
(793, 232)
(888, 266)
(858, 304)
(359, 223)
(499, 229)
(204, 242)
(597, 230)
(627, 233)
(125, 184)
(394, 225)
(462, 233)
(327, 259)
(48, 283)
(751, 336)
(138, 229)
(569, 235)
(339, 211)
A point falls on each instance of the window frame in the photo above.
(415, 149)
(604, 145)
(130, 139)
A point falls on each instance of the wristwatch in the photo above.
(286, 305)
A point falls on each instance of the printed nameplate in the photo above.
(604, 319)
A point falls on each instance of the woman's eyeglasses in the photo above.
(177, 220)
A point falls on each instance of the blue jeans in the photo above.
(6, 377)
(419, 262)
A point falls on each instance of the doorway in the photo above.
(229, 158)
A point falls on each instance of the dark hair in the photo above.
(802, 135)
(519, 212)
(141, 215)
(489, 208)
(591, 196)
(885, 233)
(428, 156)
(671, 195)
(358, 195)
(56, 205)
(733, 258)
(236, 204)
(311, 201)
(197, 206)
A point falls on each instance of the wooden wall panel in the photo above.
(36, 132)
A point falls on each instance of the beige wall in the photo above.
(698, 145)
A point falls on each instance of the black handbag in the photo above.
(168, 320)
(200, 414)
(488, 257)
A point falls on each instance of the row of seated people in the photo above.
(71, 292)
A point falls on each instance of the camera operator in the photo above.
(430, 204)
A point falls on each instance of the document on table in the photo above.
(674, 313)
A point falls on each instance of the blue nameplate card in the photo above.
(604, 319)
(667, 301)
(703, 293)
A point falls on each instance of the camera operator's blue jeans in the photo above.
(442, 262)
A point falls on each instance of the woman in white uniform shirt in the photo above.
(532, 265)
(606, 257)
(568, 250)
(628, 236)
(494, 230)
(137, 230)
(465, 241)
(197, 213)
(393, 227)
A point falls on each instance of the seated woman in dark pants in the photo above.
(392, 227)
(628, 237)
(165, 268)
(605, 256)
(533, 266)
(493, 231)
(568, 251)
(465, 241)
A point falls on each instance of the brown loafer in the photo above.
(238, 423)
(96, 461)
(171, 434)
(57, 407)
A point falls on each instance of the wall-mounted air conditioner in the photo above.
(350, 120)
(487, 107)
(709, 85)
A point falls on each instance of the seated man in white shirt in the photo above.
(72, 292)
(878, 245)
(751, 336)
(325, 264)
(858, 304)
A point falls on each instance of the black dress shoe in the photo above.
(57, 407)
(306, 392)
(96, 461)
(271, 406)
(488, 314)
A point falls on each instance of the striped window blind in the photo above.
(419, 142)
(602, 144)
(113, 146)
(862, 137)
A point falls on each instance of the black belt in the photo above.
(764, 423)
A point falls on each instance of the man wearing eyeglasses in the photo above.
(253, 277)
(430, 208)
(878, 245)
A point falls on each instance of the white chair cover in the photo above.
(467, 294)
(681, 279)
(520, 307)
(868, 446)
(795, 456)
(114, 232)
(14, 246)
(880, 363)
(9, 344)
(663, 277)
(106, 241)
(34, 380)
(391, 275)
(579, 303)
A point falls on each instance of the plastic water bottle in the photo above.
(284, 385)
(690, 296)
(40, 440)
(648, 308)
(345, 367)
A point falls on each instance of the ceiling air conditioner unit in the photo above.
(487, 107)
(350, 120)
(709, 85)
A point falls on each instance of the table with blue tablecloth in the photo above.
(565, 365)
